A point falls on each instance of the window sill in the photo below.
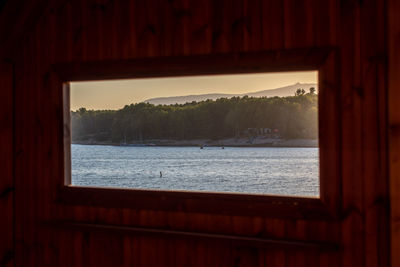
(196, 202)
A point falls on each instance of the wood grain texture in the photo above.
(375, 185)
(89, 31)
(7, 188)
(394, 130)
(353, 236)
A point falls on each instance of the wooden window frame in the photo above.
(324, 60)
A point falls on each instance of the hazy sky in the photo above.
(115, 94)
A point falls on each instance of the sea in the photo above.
(287, 171)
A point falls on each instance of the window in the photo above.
(242, 133)
(323, 61)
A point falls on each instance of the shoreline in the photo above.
(231, 142)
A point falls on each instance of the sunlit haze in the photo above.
(115, 94)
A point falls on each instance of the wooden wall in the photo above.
(394, 133)
(6, 165)
(94, 30)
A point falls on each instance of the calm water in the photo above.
(279, 171)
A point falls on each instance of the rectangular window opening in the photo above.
(233, 133)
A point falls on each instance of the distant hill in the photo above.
(282, 91)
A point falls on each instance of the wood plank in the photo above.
(75, 32)
(272, 24)
(273, 206)
(93, 16)
(150, 29)
(47, 54)
(221, 26)
(394, 121)
(298, 24)
(17, 21)
(324, 26)
(238, 26)
(201, 33)
(253, 33)
(20, 79)
(289, 244)
(374, 86)
(329, 121)
(167, 28)
(353, 231)
(7, 187)
(226, 63)
(26, 202)
(295, 229)
(122, 16)
(181, 27)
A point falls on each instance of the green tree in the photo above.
(294, 117)
(300, 92)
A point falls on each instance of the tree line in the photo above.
(292, 117)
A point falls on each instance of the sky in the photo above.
(115, 94)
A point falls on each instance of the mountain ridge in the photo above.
(281, 92)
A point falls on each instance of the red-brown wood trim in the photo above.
(192, 201)
(7, 183)
(322, 59)
(66, 132)
(260, 242)
(393, 77)
(230, 63)
(329, 125)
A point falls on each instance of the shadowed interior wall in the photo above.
(62, 31)
(6, 165)
(394, 132)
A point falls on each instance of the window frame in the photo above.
(324, 60)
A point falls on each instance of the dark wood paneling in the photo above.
(224, 63)
(352, 224)
(244, 240)
(52, 32)
(17, 20)
(216, 203)
(394, 130)
(375, 182)
(322, 59)
(7, 189)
